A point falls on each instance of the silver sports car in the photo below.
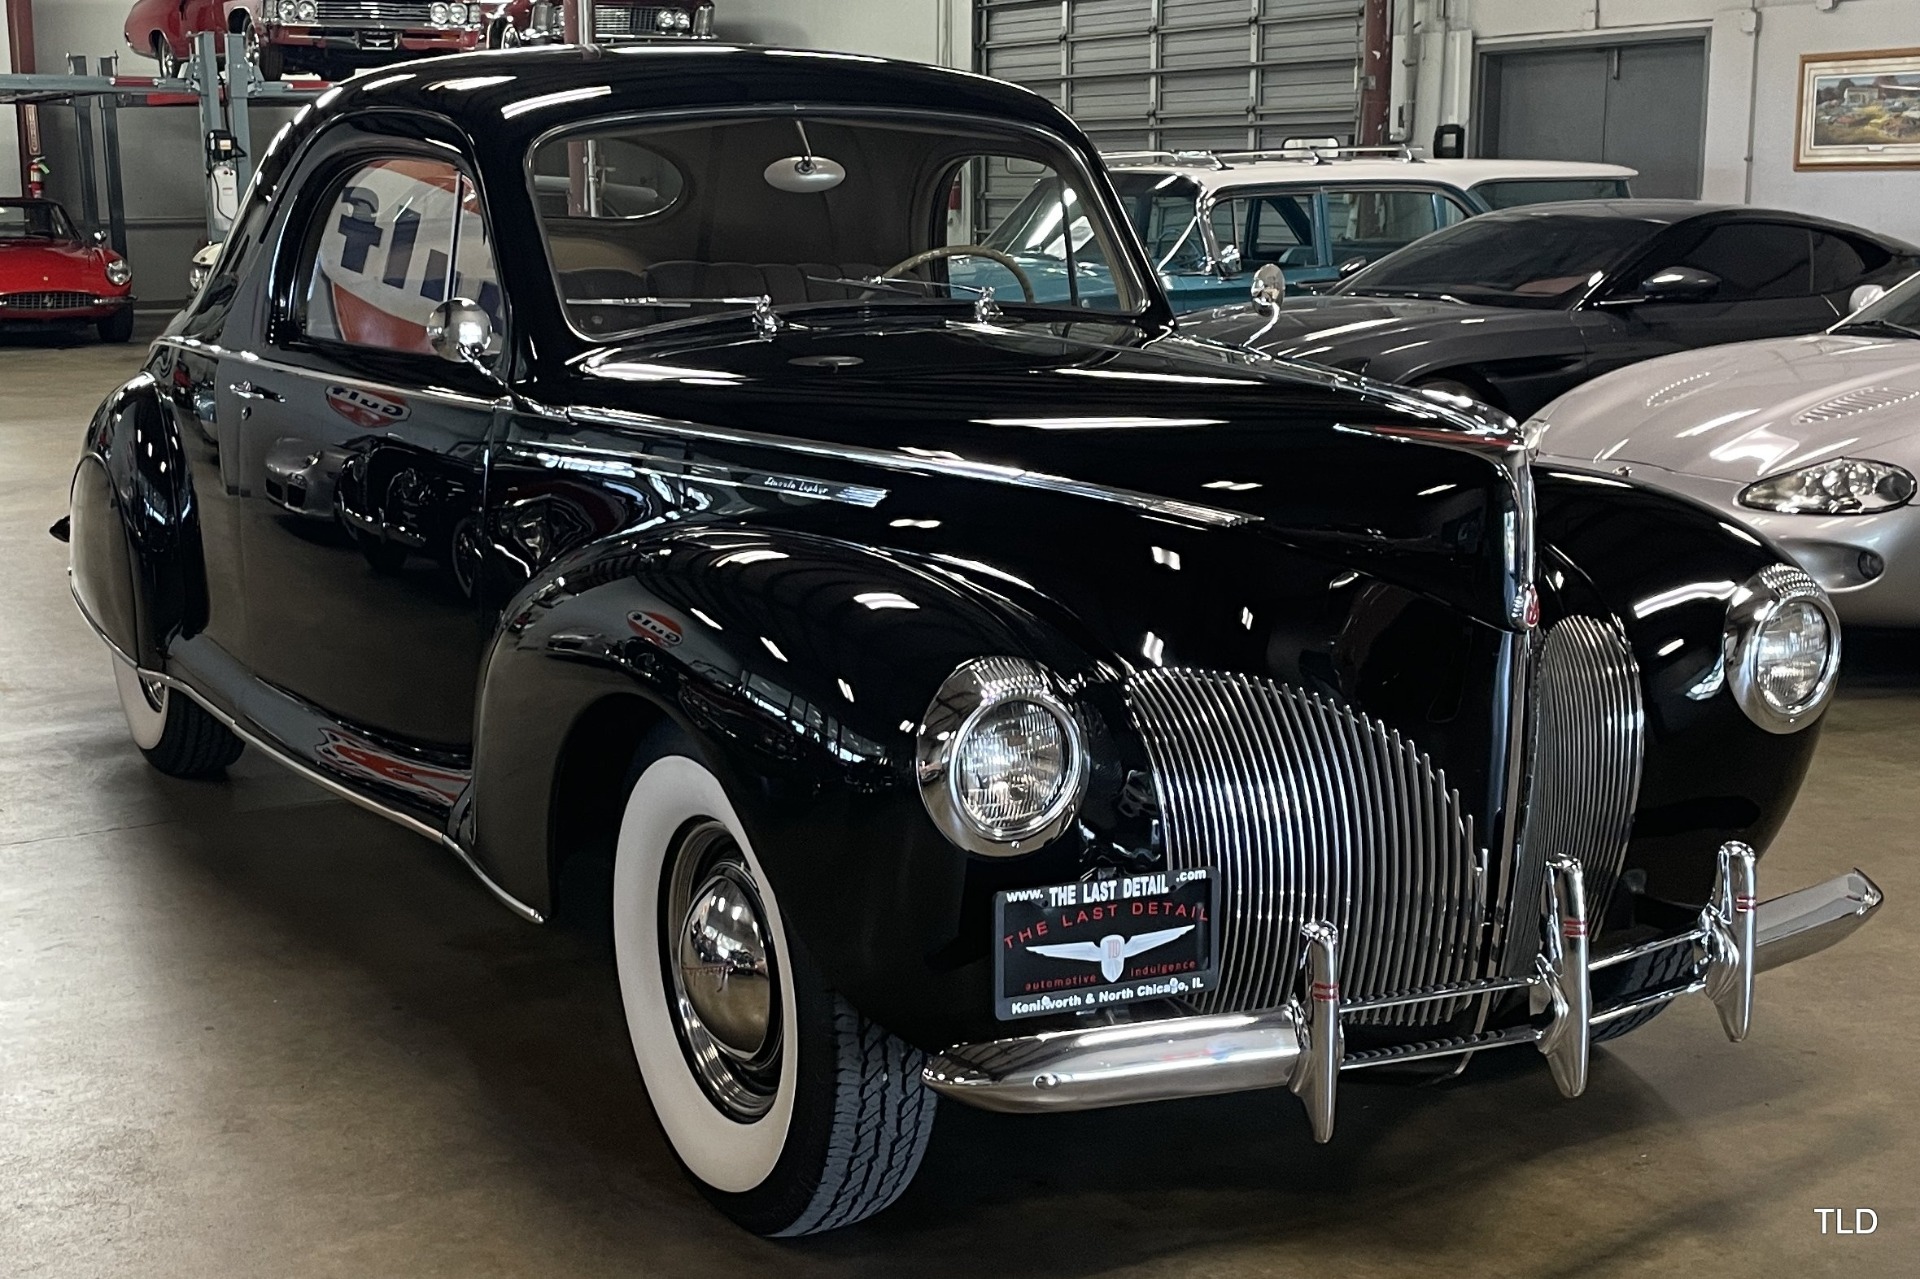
(1814, 441)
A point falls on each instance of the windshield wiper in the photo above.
(1879, 326)
(765, 318)
(984, 307)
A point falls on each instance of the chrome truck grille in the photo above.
(361, 12)
(1589, 729)
(1309, 810)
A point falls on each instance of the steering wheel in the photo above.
(965, 251)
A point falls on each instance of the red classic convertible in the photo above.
(50, 276)
(330, 38)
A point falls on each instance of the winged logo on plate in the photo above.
(1112, 951)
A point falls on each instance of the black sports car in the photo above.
(1514, 307)
(943, 697)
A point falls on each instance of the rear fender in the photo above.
(136, 557)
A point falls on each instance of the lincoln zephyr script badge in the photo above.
(1123, 939)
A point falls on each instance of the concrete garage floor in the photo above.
(246, 1029)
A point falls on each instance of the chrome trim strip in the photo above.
(574, 457)
(917, 464)
(1513, 1036)
(1633, 1006)
(389, 389)
(285, 760)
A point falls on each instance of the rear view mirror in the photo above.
(1679, 284)
(1351, 265)
(1865, 296)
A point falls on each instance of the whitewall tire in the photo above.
(174, 732)
(792, 1112)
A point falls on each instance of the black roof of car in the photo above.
(503, 90)
(1669, 212)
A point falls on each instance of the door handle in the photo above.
(248, 391)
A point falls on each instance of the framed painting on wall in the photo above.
(1859, 110)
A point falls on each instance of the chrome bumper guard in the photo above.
(1301, 1045)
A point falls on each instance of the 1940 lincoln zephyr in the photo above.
(587, 459)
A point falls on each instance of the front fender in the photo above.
(800, 667)
(136, 557)
(1664, 567)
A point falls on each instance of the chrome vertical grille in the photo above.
(1309, 810)
(1589, 734)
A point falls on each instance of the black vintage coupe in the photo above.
(587, 460)
(1515, 307)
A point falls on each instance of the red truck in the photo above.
(330, 38)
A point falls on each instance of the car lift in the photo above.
(226, 127)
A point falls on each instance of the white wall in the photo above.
(9, 126)
(1753, 68)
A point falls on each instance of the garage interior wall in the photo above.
(9, 125)
(937, 31)
(1753, 70)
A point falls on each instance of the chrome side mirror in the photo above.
(99, 237)
(1865, 296)
(1348, 267)
(460, 331)
(1269, 286)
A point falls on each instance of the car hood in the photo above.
(1177, 428)
(1348, 331)
(32, 265)
(1752, 409)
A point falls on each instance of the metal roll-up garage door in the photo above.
(1183, 74)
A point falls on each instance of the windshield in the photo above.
(1163, 208)
(649, 224)
(1538, 260)
(1511, 193)
(34, 221)
(1898, 308)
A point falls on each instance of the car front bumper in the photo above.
(377, 39)
(100, 307)
(1301, 1045)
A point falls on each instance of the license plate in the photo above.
(1102, 943)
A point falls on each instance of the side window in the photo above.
(1374, 223)
(1755, 260)
(397, 237)
(1275, 229)
(1840, 263)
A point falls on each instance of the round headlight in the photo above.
(664, 20)
(1782, 648)
(438, 14)
(308, 11)
(1001, 759)
(119, 273)
(681, 20)
(457, 14)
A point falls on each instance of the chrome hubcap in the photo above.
(718, 953)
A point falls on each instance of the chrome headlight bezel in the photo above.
(119, 274)
(975, 688)
(307, 12)
(1751, 609)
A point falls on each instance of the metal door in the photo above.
(1178, 74)
(1641, 105)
